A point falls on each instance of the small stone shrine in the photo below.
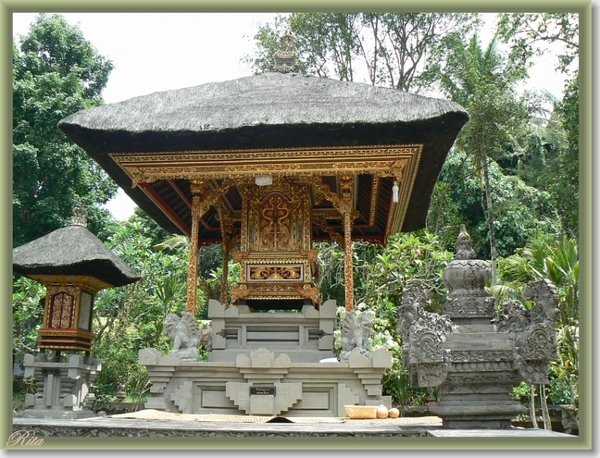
(73, 265)
(472, 356)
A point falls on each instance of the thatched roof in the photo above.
(271, 110)
(269, 99)
(72, 250)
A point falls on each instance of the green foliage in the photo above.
(130, 318)
(28, 299)
(522, 212)
(380, 275)
(563, 182)
(118, 352)
(158, 235)
(484, 82)
(554, 35)
(533, 34)
(56, 72)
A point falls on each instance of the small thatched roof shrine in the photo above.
(71, 251)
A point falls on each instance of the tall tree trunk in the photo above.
(545, 411)
(532, 406)
(490, 215)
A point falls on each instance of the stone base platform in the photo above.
(376, 433)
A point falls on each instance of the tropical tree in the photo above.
(563, 182)
(554, 35)
(56, 72)
(484, 83)
(385, 49)
(522, 212)
(534, 34)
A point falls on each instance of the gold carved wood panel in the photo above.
(61, 308)
(275, 273)
(276, 217)
(277, 259)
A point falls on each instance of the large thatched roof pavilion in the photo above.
(346, 161)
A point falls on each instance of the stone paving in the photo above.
(153, 423)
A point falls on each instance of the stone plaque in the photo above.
(262, 390)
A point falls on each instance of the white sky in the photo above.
(163, 51)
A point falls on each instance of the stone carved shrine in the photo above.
(472, 356)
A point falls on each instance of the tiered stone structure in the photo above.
(305, 336)
(472, 356)
(63, 387)
(264, 363)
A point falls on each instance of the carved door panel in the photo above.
(276, 257)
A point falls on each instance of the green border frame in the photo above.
(583, 7)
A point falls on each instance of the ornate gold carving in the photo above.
(90, 284)
(239, 292)
(372, 205)
(220, 164)
(61, 302)
(276, 223)
(238, 255)
(212, 195)
(276, 292)
(226, 221)
(277, 219)
(67, 333)
(323, 224)
(61, 310)
(286, 56)
(275, 273)
(276, 252)
(346, 202)
(309, 292)
(311, 255)
(197, 187)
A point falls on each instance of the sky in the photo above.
(164, 51)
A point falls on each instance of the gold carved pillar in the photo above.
(346, 199)
(192, 282)
(226, 225)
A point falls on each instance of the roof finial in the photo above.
(79, 217)
(464, 245)
(286, 56)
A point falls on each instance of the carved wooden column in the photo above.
(192, 282)
(346, 199)
(226, 225)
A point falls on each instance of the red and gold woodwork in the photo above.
(276, 255)
(68, 311)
